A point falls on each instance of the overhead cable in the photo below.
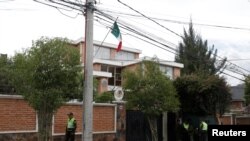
(149, 18)
(143, 35)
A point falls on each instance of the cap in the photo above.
(70, 113)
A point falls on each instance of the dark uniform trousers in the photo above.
(70, 134)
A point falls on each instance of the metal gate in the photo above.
(137, 127)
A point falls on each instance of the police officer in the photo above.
(187, 130)
(203, 130)
(70, 128)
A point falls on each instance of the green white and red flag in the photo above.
(116, 32)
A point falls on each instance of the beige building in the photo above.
(109, 64)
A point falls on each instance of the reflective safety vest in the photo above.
(203, 126)
(186, 126)
(71, 123)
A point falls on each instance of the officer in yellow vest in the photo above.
(203, 130)
(70, 128)
(187, 130)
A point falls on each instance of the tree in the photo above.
(203, 95)
(196, 56)
(5, 84)
(47, 75)
(147, 89)
(201, 90)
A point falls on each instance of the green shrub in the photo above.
(105, 97)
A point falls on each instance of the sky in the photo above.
(24, 21)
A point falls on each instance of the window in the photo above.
(118, 77)
(101, 52)
(115, 80)
(111, 81)
(168, 71)
(104, 68)
(123, 55)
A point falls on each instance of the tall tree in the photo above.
(196, 55)
(147, 89)
(5, 83)
(47, 75)
(201, 90)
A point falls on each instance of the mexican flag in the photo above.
(116, 32)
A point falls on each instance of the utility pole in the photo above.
(87, 125)
(87, 105)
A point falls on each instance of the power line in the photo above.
(189, 54)
(105, 15)
(152, 29)
(129, 28)
(203, 24)
(167, 28)
(239, 60)
(233, 76)
(66, 4)
(68, 15)
(234, 65)
(149, 18)
(53, 6)
(163, 47)
(181, 22)
(140, 38)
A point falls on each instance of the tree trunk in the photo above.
(45, 125)
(153, 127)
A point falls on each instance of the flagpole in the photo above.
(102, 42)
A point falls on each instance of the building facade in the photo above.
(108, 64)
